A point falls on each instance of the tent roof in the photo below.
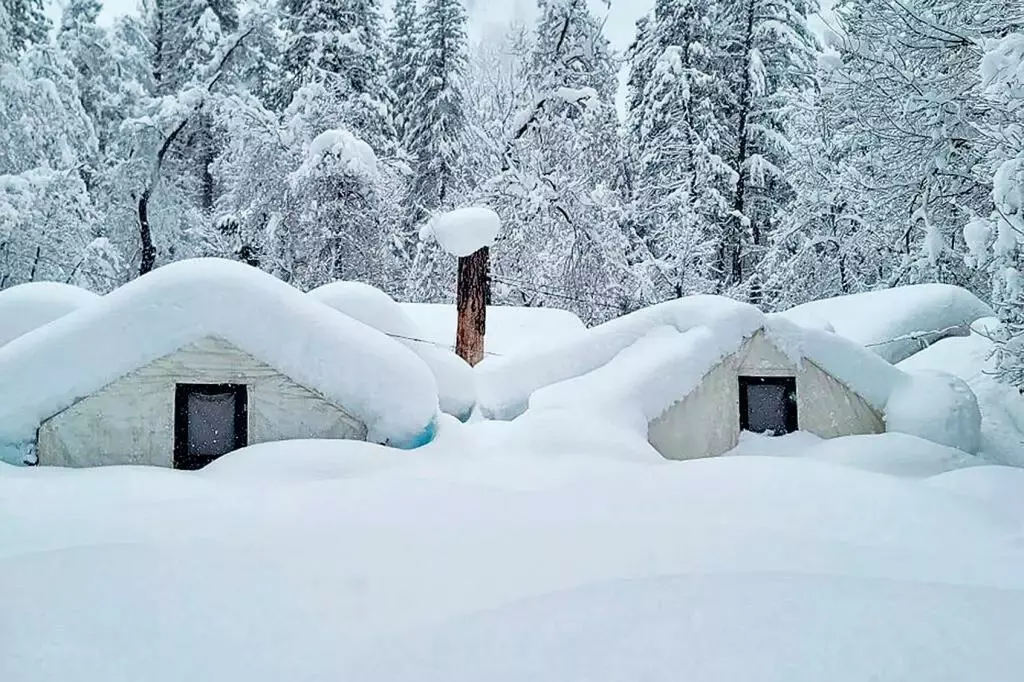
(659, 354)
(374, 378)
(27, 306)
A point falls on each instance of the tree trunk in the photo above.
(145, 237)
(471, 302)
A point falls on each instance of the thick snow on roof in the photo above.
(895, 323)
(665, 365)
(464, 230)
(376, 379)
(375, 308)
(505, 387)
(645, 376)
(511, 330)
(27, 306)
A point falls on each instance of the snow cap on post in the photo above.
(465, 230)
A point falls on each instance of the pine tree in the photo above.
(26, 24)
(338, 44)
(677, 131)
(403, 57)
(769, 60)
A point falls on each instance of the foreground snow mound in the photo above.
(997, 486)
(786, 627)
(375, 379)
(511, 330)
(376, 309)
(936, 406)
(1001, 405)
(441, 567)
(897, 454)
(27, 306)
(302, 461)
(895, 323)
(464, 230)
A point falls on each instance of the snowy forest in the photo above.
(753, 157)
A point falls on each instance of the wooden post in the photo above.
(473, 294)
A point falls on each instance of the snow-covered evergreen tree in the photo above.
(338, 44)
(435, 140)
(22, 23)
(403, 57)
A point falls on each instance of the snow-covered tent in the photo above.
(197, 359)
(375, 308)
(27, 306)
(691, 374)
(898, 322)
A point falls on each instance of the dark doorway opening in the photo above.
(210, 420)
(768, 405)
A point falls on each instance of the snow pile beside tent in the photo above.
(464, 230)
(895, 323)
(511, 330)
(505, 387)
(377, 380)
(375, 308)
(936, 406)
(1002, 406)
(27, 306)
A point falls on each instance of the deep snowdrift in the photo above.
(27, 306)
(528, 562)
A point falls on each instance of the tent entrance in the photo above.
(210, 420)
(768, 405)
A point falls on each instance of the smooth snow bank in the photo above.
(376, 379)
(897, 454)
(464, 230)
(937, 406)
(505, 387)
(375, 308)
(785, 627)
(285, 461)
(27, 306)
(444, 568)
(895, 323)
(1002, 406)
(996, 486)
(511, 330)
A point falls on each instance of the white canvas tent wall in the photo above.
(27, 306)
(97, 385)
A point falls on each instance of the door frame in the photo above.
(182, 458)
(788, 382)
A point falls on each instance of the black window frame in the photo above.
(789, 382)
(182, 458)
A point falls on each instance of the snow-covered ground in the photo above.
(542, 549)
